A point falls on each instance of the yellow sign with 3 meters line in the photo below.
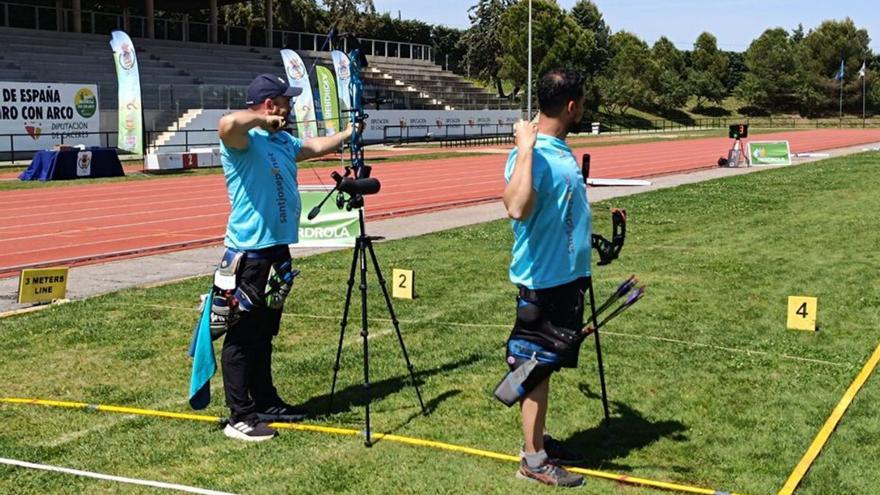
(42, 285)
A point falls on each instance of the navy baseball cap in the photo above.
(268, 86)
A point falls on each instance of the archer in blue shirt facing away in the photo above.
(250, 286)
(546, 199)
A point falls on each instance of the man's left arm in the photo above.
(319, 146)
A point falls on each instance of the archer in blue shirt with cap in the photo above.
(255, 275)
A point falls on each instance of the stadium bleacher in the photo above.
(177, 76)
(188, 85)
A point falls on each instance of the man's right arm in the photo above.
(519, 194)
(234, 127)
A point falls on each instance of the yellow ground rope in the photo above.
(376, 436)
(830, 424)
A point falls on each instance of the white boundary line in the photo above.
(120, 479)
(730, 349)
(604, 332)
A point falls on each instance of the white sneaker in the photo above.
(249, 432)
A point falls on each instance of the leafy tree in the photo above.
(774, 72)
(293, 15)
(413, 31)
(482, 43)
(250, 15)
(557, 41)
(873, 91)
(301, 15)
(834, 41)
(797, 34)
(708, 67)
(630, 77)
(736, 70)
(823, 50)
(354, 16)
(587, 16)
(446, 41)
(671, 85)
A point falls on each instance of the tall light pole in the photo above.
(529, 84)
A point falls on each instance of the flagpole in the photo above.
(529, 90)
(864, 79)
(839, 77)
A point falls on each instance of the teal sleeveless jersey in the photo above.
(552, 246)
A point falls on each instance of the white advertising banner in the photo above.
(343, 78)
(437, 123)
(304, 104)
(42, 112)
(131, 116)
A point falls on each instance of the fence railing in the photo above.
(446, 135)
(178, 97)
(449, 134)
(10, 151)
(47, 18)
(641, 126)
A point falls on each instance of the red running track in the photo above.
(81, 224)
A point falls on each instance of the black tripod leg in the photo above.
(396, 324)
(354, 259)
(365, 333)
(598, 352)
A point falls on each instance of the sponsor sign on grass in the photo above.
(333, 227)
(769, 153)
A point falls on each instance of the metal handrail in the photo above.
(721, 123)
(62, 136)
(451, 135)
(184, 29)
(461, 133)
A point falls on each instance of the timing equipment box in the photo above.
(738, 131)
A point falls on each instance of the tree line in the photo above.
(782, 71)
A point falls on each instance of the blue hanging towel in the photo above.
(204, 365)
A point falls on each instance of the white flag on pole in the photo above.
(862, 71)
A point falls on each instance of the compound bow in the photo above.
(608, 250)
(358, 169)
(357, 62)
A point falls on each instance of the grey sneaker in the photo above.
(549, 474)
(560, 454)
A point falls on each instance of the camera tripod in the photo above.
(363, 246)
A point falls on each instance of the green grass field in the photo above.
(708, 387)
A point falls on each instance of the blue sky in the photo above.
(734, 22)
